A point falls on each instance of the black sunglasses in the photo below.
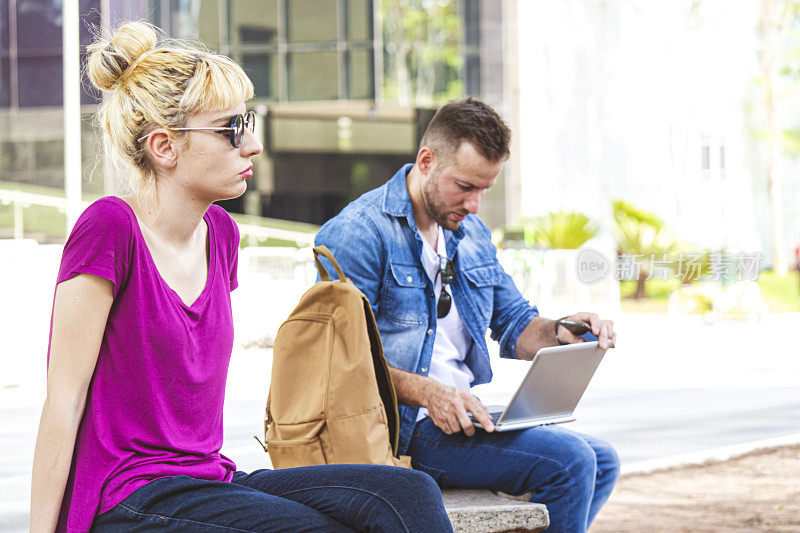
(445, 300)
(235, 129)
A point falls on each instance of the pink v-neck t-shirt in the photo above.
(154, 404)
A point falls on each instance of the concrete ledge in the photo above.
(482, 511)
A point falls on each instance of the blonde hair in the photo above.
(156, 83)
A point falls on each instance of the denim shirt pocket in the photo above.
(404, 294)
(482, 281)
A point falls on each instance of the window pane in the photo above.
(447, 84)
(181, 23)
(38, 24)
(359, 74)
(263, 71)
(311, 20)
(313, 76)
(253, 21)
(208, 22)
(5, 85)
(472, 22)
(90, 19)
(15, 156)
(359, 20)
(154, 12)
(3, 25)
(472, 74)
(40, 81)
(195, 19)
(48, 154)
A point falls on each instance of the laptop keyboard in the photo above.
(495, 416)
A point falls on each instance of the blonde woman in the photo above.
(142, 332)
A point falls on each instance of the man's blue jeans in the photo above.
(313, 498)
(573, 474)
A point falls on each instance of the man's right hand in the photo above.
(448, 407)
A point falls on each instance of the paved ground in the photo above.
(673, 385)
(757, 492)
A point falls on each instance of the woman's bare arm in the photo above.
(80, 313)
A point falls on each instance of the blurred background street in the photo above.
(673, 386)
(654, 178)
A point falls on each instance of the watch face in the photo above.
(576, 328)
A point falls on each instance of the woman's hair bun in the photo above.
(109, 61)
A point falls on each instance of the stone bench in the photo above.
(482, 511)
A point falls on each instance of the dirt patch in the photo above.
(759, 491)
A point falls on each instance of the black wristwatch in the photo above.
(573, 326)
(555, 327)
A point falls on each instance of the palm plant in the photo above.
(640, 234)
(559, 230)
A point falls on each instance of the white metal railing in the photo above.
(21, 199)
(301, 238)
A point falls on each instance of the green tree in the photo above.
(640, 234)
(560, 230)
(779, 84)
(421, 42)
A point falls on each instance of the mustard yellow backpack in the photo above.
(331, 399)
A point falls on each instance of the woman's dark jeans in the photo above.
(312, 498)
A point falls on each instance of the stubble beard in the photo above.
(433, 202)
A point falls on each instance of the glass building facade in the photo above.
(343, 88)
(293, 50)
(31, 85)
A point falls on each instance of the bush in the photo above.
(640, 233)
(561, 230)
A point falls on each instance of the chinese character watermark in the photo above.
(691, 266)
(726, 267)
(592, 265)
(628, 268)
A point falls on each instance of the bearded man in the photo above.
(417, 249)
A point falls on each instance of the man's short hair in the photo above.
(468, 120)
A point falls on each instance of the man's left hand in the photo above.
(603, 329)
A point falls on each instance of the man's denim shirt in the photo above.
(376, 242)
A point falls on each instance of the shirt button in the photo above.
(424, 369)
(408, 279)
(433, 295)
(430, 332)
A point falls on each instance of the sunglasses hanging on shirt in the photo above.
(445, 300)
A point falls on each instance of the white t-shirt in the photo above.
(452, 342)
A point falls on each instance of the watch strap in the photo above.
(555, 328)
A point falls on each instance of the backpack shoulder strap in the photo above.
(323, 274)
(267, 422)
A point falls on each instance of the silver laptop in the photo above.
(552, 388)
